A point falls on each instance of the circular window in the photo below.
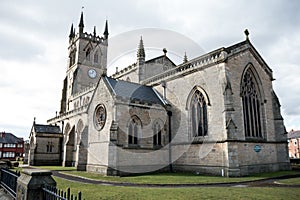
(99, 116)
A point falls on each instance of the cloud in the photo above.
(34, 41)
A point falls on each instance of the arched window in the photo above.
(198, 109)
(251, 106)
(88, 54)
(133, 131)
(96, 57)
(156, 134)
(72, 57)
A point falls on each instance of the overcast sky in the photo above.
(34, 40)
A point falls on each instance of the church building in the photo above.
(214, 114)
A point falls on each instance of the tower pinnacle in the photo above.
(72, 33)
(81, 24)
(141, 50)
(106, 30)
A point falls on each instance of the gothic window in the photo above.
(50, 147)
(198, 110)
(88, 54)
(251, 106)
(133, 131)
(96, 57)
(156, 134)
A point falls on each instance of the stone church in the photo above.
(213, 114)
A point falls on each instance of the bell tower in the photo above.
(87, 61)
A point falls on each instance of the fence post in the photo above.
(31, 182)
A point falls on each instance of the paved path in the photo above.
(270, 182)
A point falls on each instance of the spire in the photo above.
(185, 59)
(106, 30)
(141, 50)
(81, 24)
(71, 32)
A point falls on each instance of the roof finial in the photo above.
(34, 121)
(106, 30)
(185, 59)
(247, 34)
(165, 51)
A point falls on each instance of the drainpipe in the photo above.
(61, 142)
(170, 139)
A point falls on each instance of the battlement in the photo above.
(124, 71)
(69, 114)
(189, 67)
(84, 91)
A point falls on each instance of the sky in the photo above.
(34, 41)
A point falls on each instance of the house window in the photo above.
(9, 145)
(156, 134)
(198, 109)
(8, 154)
(50, 147)
(133, 131)
(251, 106)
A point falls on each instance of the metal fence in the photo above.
(52, 193)
(9, 181)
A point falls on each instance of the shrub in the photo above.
(16, 164)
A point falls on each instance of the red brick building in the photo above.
(294, 144)
(11, 146)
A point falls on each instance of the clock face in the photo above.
(92, 73)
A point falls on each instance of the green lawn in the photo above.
(291, 181)
(176, 178)
(92, 191)
(166, 178)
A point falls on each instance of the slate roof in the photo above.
(134, 91)
(9, 138)
(293, 134)
(40, 128)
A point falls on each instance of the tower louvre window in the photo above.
(88, 54)
(96, 57)
(72, 57)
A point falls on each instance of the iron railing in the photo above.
(9, 181)
(52, 193)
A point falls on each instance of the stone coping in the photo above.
(37, 172)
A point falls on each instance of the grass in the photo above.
(176, 178)
(166, 178)
(92, 191)
(56, 168)
(291, 181)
